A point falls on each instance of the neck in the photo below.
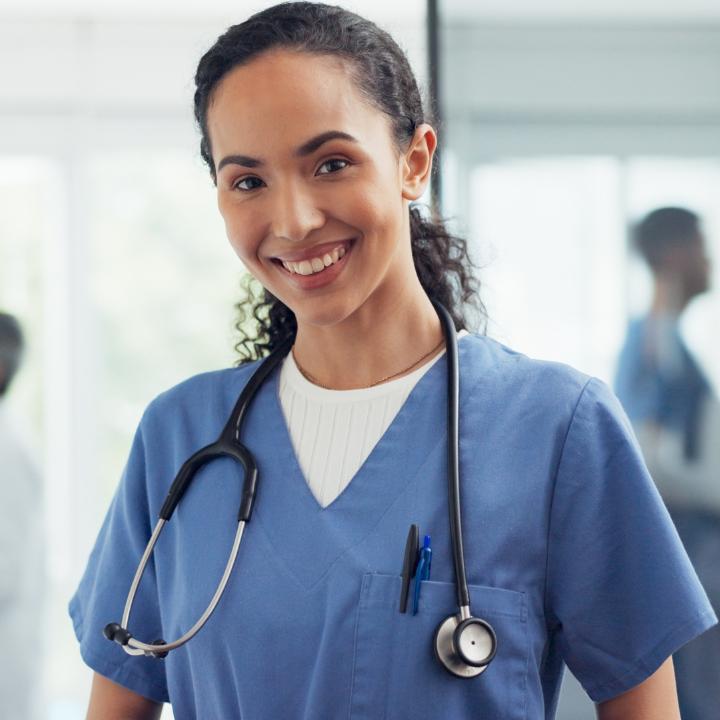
(386, 336)
(668, 297)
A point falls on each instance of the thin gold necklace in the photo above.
(309, 377)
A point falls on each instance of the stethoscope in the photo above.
(463, 644)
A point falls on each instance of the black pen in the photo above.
(410, 562)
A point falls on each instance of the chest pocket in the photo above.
(396, 675)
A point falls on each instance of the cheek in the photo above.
(388, 228)
(376, 208)
(238, 243)
(239, 230)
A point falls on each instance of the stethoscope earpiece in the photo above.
(465, 646)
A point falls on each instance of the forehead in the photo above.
(283, 96)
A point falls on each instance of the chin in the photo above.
(324, 312)
(322, 317)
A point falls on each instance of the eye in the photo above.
(334, 160)
(236, 186)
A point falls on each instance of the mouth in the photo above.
(326, 257)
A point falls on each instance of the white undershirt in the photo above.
(333, 431)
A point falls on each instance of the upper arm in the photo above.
(621, 593)
(112, 564)
(110, 701)
(653, 699)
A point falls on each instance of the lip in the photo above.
(317, 280)
(314, 251)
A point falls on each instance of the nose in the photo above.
(295, 212)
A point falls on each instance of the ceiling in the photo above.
(584, 10)
(484, 10)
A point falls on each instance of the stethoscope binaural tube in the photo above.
(227, 445)
(463, 644)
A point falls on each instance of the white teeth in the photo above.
(314, 265)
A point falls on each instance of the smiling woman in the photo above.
(353, 182)
(347, 185)
(316, 140)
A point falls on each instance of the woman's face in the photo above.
(291, 188)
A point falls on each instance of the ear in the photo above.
(416, 162)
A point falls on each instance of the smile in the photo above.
(317, 272)
(314, 265)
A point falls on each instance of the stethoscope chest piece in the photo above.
(465, 646)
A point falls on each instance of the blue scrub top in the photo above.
(571, 555)
(658, 380)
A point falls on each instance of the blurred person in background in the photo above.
(21, 566)
(676, 416)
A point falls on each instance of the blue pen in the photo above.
(423, 571)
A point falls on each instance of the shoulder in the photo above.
(201, 395)
(509, 377)
(541, 397)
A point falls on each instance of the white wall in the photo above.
(584, 88)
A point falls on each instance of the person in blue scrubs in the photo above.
(658, 379)
(666, 394)
(314, 132)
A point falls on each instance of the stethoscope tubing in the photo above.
(453, 390)
(136, 647)
(228, 444)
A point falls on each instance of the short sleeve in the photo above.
(621, 591)
(101, 594)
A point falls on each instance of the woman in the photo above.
(315, 136)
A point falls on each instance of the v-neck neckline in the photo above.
(341, 400)
(399, 419)
(309, 538)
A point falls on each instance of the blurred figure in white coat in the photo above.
(676, 415)
(21, 545)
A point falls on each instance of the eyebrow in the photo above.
(307, 148)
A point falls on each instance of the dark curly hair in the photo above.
(383, 75)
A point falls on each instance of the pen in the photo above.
(423, 571)
(410, 561)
